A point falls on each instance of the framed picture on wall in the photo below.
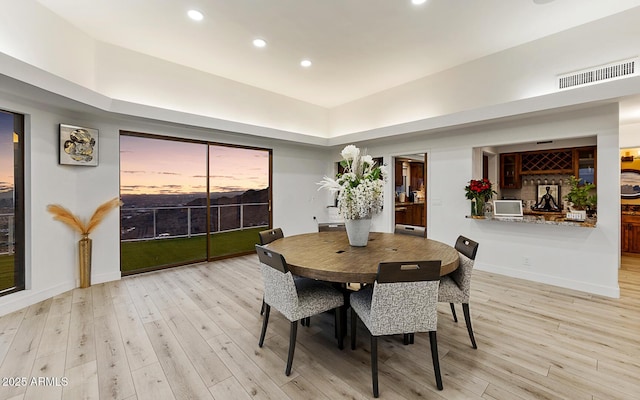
(630, 184)
(548, 198)
(78, 145)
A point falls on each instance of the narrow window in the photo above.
(11, 202)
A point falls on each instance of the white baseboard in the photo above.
(15, 301)
(608, 291)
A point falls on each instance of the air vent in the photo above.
(597, 74)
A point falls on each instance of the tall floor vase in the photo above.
(358, 231)
(84, 249)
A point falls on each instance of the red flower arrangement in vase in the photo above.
(479, 191)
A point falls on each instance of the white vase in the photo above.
(358, 231)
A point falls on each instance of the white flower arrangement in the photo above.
(360, 187)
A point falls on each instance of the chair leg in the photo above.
(412, 337)
(265, 321)
(453, 311)
(262, 308)
(340, 327)
(467, 320)
(374, 364)
(434, 356)
(354, 323)
(406, 338)
(292, 347)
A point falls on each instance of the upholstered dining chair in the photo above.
(402, 300)
(410, 230)
(270, 235)
(267, 237)
(295, 299)
(331, 226)
(456, 286)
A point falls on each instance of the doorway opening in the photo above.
(410, 183)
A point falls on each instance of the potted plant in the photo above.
(360, 191)
(580, 198)
(479, 191)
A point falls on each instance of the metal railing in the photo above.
(152, 223)
(7, 234)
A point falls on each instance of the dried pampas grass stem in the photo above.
(74, 222)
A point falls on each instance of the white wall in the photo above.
(522, 72)
(585, 259)
(32, 34)
(630, 135)
(493, 86)
(51, 247)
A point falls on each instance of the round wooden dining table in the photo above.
(329, 257)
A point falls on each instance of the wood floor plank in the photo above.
(250, 376)
(264, 357)
(55, 335)
(81, 347)
(114, 374)
(8, 328)
(300, 389)
(211, 369)
(205, 326)
(61, 304)
(183, 378)
(83, 382)
(151, 383)
(144, 304)
(47, 378)
(22, 353)
(230, 388)
(137, 346)
(192, 332)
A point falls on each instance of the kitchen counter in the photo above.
(408, 203)
(541, 220)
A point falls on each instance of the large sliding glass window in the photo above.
(171, 188)
(239, 198)
(11, 203)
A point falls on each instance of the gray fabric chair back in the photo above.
(467, 250)
(279, 287)
(405, 298)
(467, 247)
(270, 235)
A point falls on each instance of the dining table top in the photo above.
(328, 256)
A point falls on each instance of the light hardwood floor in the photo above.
(192, 333)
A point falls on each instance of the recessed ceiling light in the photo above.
(195, 15)
(305, 63)
(418, 2)
(259, 42)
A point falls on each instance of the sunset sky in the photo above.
(6, 152)
(156, 166)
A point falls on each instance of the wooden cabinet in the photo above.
(578, 161)
(547, 162)
(401, 215)
(510, 171)
(398, 174)
(631, 233)
(416, 175)
(584, 164)
(410, 214)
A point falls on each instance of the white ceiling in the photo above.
(358, 47)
